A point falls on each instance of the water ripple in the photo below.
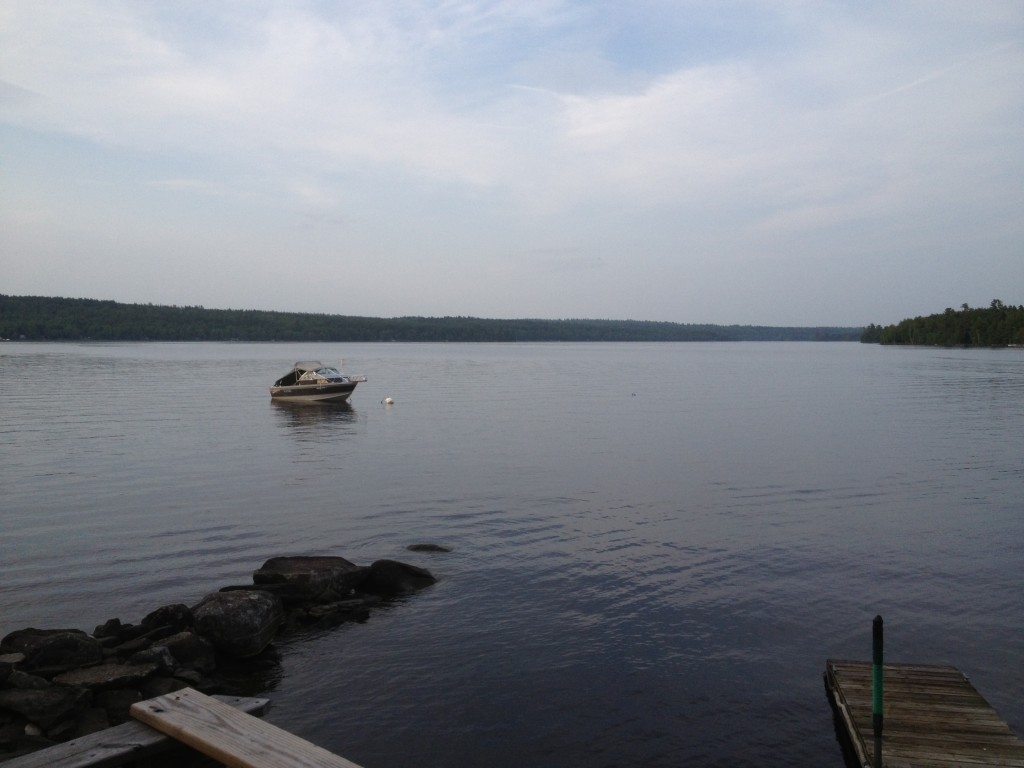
(634, 580)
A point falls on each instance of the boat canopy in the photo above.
(307, 365)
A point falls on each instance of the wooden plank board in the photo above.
(227, 735)
(933, 717)
(116, 746)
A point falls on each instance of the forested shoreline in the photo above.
(998, 325)
(37, 318)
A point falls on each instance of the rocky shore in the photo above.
(58, 684)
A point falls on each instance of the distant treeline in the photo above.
(998, 325)
(52, 319)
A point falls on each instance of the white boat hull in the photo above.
(314, 393)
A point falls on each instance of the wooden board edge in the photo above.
(839, 702)
(229, 736)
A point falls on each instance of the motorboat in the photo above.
(311, 381)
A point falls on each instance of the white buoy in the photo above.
(388, 401)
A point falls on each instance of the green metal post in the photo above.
(876, 687)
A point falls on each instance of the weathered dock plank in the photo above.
(123, 744)
(232, 737)
(933, 717)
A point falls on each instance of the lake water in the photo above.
(655, 547)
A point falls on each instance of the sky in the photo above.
(765, 162)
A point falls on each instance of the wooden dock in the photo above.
(933, 717)
(229, 736)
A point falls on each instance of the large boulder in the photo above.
(390, 577)
(238, 623)
(21, 640)
(45, 707)
(50, 651)
(189, 650)
(311, 578)
(141, 642)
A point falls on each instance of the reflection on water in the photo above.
(303, 418)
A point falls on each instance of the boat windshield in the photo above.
(323, 372)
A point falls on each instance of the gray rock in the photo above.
(21, 640)
(143, 641)
(108, 643)
(190, 650)
(158, 655)
(8, 661)
(109, 628)
(104, 676)
(50, 653)
(62, 683)
(315, 574)
(427, 548)
(241, 623)
(177, 617)
(290, 594)
(127, 632)
(25, 681)
(390, 577)
(32, 730)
